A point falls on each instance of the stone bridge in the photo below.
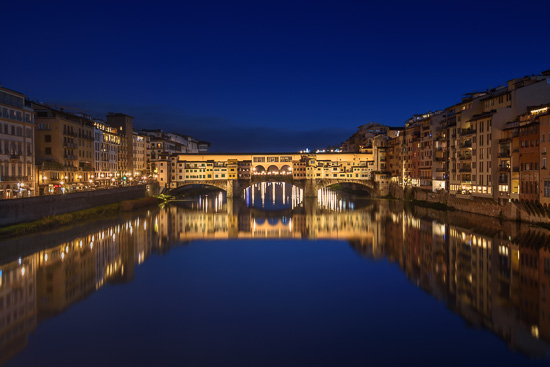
(234, 172)
(234, 188)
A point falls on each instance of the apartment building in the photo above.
(17, 158)
(543, 113)
(106, 147)
(64, 150)
(139, 154)
(125, 128)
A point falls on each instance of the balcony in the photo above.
(503, 180)
(440, 170)
(70, 157)
(466, 157)
(70, 145)
(466, 169)
(503, 168)
(504, 154)
(468, 132)
(466, 144)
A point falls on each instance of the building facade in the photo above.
(17, 158)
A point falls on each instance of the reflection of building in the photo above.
(492, 276)
(483, 276)
(64, 276)
(17, 305)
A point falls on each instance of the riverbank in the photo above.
(69, 219)
(511, 210)
(24, 210)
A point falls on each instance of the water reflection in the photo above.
(496, 276)
(273, 196)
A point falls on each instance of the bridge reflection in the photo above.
(496, 276)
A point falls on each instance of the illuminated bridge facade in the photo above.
(235, 172)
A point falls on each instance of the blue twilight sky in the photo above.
(267, 75)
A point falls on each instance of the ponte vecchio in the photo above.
(234, 172)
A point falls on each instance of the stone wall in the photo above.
(22, 210)
(515, 210)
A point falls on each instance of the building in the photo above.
(139, 154)
(17, 158)
(125, 126)
(543, 113)
(106, 148)
(529, 157)
(64, 150)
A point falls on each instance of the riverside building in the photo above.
(17, 173)
(64, 150)
(491, 144)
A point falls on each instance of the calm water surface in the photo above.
(273, 280)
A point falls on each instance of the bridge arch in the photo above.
(272, 221)
(368, 184)
(222, 185)
(272, 170)
(259, 170)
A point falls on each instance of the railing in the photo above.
(466, 144)
(70, 156)
(503, 180)
(467, 157)
(466, 169)
(504, 154)
(70, 145)
(504, 168)
(468, 131)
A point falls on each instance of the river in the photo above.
(277, 280)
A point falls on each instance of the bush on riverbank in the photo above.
(62, 220)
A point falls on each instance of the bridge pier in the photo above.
(233, 189)
(310, 188)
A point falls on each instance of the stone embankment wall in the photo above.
(503, 209)
(13, 211)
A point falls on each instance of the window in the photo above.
(48, 151)
(543, 163)
(48, 138)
